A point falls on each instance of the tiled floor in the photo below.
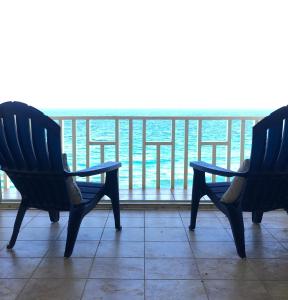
(154, 257)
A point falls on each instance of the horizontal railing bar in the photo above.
(217, 143)
(150, 143)
(196, 118)
(101, 143)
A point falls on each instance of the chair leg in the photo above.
(112, 191)
(198, 182)
(257, 216)
(19, 218)
(75, 219)
(54, 215)
(237, 225)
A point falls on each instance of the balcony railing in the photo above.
(154, 151)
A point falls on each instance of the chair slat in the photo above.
(10, 130)
(258, 149)
(7, 160)
(54, 149)
(282, 160)
(40, 146)
(25, 141)
(273, 145)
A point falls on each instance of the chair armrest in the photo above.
(212, 169)
(95, 170)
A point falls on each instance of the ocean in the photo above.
(157, 130)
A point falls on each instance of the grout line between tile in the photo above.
(93, 259)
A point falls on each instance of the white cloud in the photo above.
(148, 53)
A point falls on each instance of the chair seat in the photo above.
(91, 190)
(216, 190)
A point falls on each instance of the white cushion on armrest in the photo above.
(237, 185)
(72, 187)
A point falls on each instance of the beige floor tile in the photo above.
(131, 213)
(126, 222)
(18, 267)
(247, 222)
(45, 222)
(13, 212)
(5, 233)
(168, 249)
(209, 235)
(117, 268)
(201, 213)
(236, 290)
(285, 245)
(225, 269)
(43, 213)
(10, 288)
(40, 233)
(276, 223)
(33, 212)
(281, 234)
(8, 221)
(278, 290)
(95, 221)
(84, 234)
(273, 213)
(26, 249)
(171, 268)
(214, 249)
(162, 214)
(270, 269)
(163, 222)
(98, 213)
(8, 212)
(212, 222)
(174, 290)
(56, 289)
(120, 249)
(186, 213)
(165, 235)
(3, 244)
(265, 250)
(114, 289)
(81, 249)
(63, 268)
(256, 234)
(125, 235)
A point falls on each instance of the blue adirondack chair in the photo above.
(30, 154)
(266, 185)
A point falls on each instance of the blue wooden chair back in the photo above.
(267, 182)
(30, 153)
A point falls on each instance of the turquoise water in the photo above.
(157, 130)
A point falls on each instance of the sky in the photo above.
(144, 54)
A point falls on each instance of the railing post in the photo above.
(130, 154)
